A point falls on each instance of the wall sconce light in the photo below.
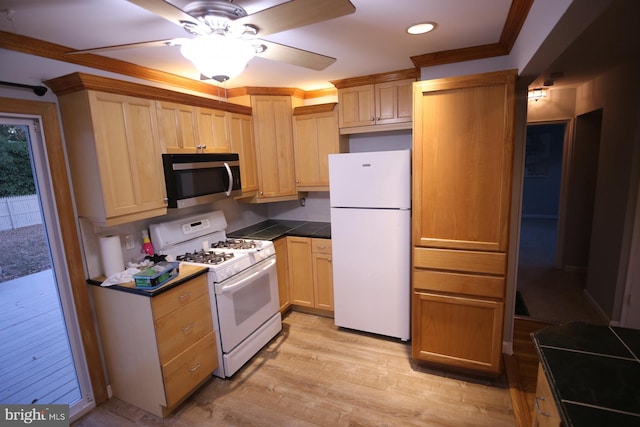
(536, 94)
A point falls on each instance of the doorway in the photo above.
(556, 222)
(43, 361)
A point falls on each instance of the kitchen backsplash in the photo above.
(238, 215)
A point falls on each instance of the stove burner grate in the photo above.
(235, 244)
(205, 257)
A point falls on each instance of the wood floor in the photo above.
(522, 369)
(315, 374)
(36, 365)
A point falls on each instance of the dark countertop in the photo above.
(594, 373)
(272, 229)
(186, 272)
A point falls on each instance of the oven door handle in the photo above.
(243, 282)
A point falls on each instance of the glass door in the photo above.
(42, 361)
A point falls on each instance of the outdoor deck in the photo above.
(36, 365)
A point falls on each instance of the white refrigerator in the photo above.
(370, 198)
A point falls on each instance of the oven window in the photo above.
(249, 300)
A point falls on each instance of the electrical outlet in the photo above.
(128, 241)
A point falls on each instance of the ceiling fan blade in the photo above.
(294, 56)
(171, 13)
(296, 13)
(156, 43)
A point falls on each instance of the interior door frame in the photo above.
(47, 114)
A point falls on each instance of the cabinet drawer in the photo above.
(179, 296)
(459, 283)
(321, 246)
(181, 328)
(184, 372)
(462, 261)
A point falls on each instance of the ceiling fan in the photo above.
(224, 37)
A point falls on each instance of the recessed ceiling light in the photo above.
(422, 28)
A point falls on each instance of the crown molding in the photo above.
(515, 19)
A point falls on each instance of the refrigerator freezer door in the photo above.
(371, 270)
(380, 179)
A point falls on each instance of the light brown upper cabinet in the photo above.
(463, 153)
(115, 134)
(315, 136)
(273, 133)
(376, 103)
(212, 128)
(463, 134)
(178, 125)
(191, 129)
(114, 156)
(240, 129)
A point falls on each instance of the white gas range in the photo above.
(243, 283)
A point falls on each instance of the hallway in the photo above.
(550, 294)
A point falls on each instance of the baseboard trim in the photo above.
(594, 304)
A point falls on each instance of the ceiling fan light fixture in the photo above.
(218, 57)
(422, 28)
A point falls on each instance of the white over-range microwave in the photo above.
(193, 179)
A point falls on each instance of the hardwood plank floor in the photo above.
(315, 374)
(522, 368)
(36, 364)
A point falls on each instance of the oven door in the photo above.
(246, 301)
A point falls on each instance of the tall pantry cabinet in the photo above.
(463, 152)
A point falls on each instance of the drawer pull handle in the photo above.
(195, 368)
(188, 328)
(321, 247)
(184, 297)
(540, 411)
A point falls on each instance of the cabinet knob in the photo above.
(297, 181)
(329, 259)
(372, 119)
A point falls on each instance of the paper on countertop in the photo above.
(125, 276)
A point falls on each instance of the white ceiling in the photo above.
(371, 40)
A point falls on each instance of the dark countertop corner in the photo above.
(593, 371)
(273, 229)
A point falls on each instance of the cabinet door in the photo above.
(315, 137)
(463, 150)
(545, 410)
(178, 127)
(394, 101)
(282, 266)
(457, 331)
(322, 274)
(128, 152)
(274, 146)
(213, 131)
(241, 138)
(300, 271)
(357, 106)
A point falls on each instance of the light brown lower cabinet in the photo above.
(545, 412)
(310, 272)
(282, 267)
(157, 350)
(458, 331)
